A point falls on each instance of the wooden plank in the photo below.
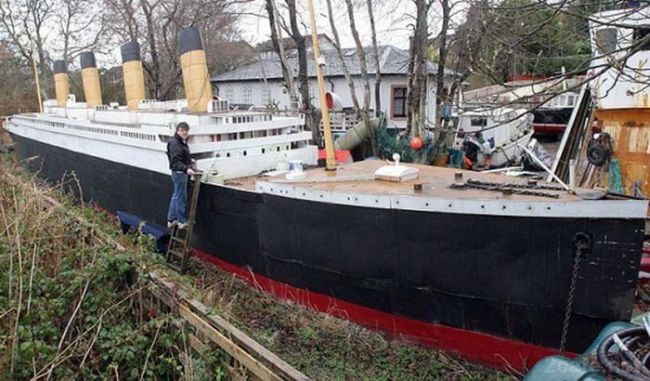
(252, 364)
(239, 338)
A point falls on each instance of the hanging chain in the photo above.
(582, 242)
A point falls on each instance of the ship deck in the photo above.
(436, 182)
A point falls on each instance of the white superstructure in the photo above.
(234, 143)
(613, 35)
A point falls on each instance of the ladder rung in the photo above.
(174, 266)
(176, 253)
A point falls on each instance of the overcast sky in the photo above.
(391, 19)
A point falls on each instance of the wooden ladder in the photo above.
(178, 249)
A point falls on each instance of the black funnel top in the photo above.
(130, 51)
(88, 60)
(188, 40)
(59, 67)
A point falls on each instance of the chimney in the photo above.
(196, 81)
(90, 79)
(61, 83)
(133, 75)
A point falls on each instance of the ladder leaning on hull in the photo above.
(178, 249)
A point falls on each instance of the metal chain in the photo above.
(571, 298)
(516, 185)
(504, 188)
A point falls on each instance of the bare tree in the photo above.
(156, 23)
(417, 88)
(301, 47)
(375, 49)
(25, 24)
(364, 75)
(344, 66)
(81, 27)
(287, 72)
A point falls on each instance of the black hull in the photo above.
(551, 120)
(502, 276)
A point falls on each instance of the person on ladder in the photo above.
(180, 163)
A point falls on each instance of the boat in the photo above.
(502, 132)
(552, 117)
(459, 260)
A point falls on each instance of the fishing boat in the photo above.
(457, 260)
(499, 132)
(552, 117)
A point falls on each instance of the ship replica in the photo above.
(456, 260)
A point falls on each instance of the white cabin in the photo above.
(613, 33)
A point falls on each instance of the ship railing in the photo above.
(156, 105)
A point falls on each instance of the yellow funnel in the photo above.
(133, 75)
(61, 83)
(196, 81)
(90, 79)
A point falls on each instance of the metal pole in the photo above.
(327, 131)
(38, 84)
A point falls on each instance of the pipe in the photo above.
(61, 82)
(133, 75)
(196, 81)
(90, 79)
(355, 135)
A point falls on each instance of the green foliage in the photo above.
(56, 277)
(524, 37)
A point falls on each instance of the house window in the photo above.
(229, 94)
(398, 99)
(247, 95)
(266, 95)
(478, 122)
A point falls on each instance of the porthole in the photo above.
(263, 150)
(244, 153)
(228, 154)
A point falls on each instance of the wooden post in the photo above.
(327, 130)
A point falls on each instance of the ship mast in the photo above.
(38, 83)
(327, 132)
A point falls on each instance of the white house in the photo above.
(260, 83)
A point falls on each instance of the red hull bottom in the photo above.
(482, 348)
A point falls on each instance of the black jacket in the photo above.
(178, 154)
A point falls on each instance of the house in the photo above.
(261, 83)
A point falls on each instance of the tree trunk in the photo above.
(377, 66)
(344, 66)
(154, 68)
(441, 134)
(299, 40)
(420, 72)
(287, 72)
(364, 75)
